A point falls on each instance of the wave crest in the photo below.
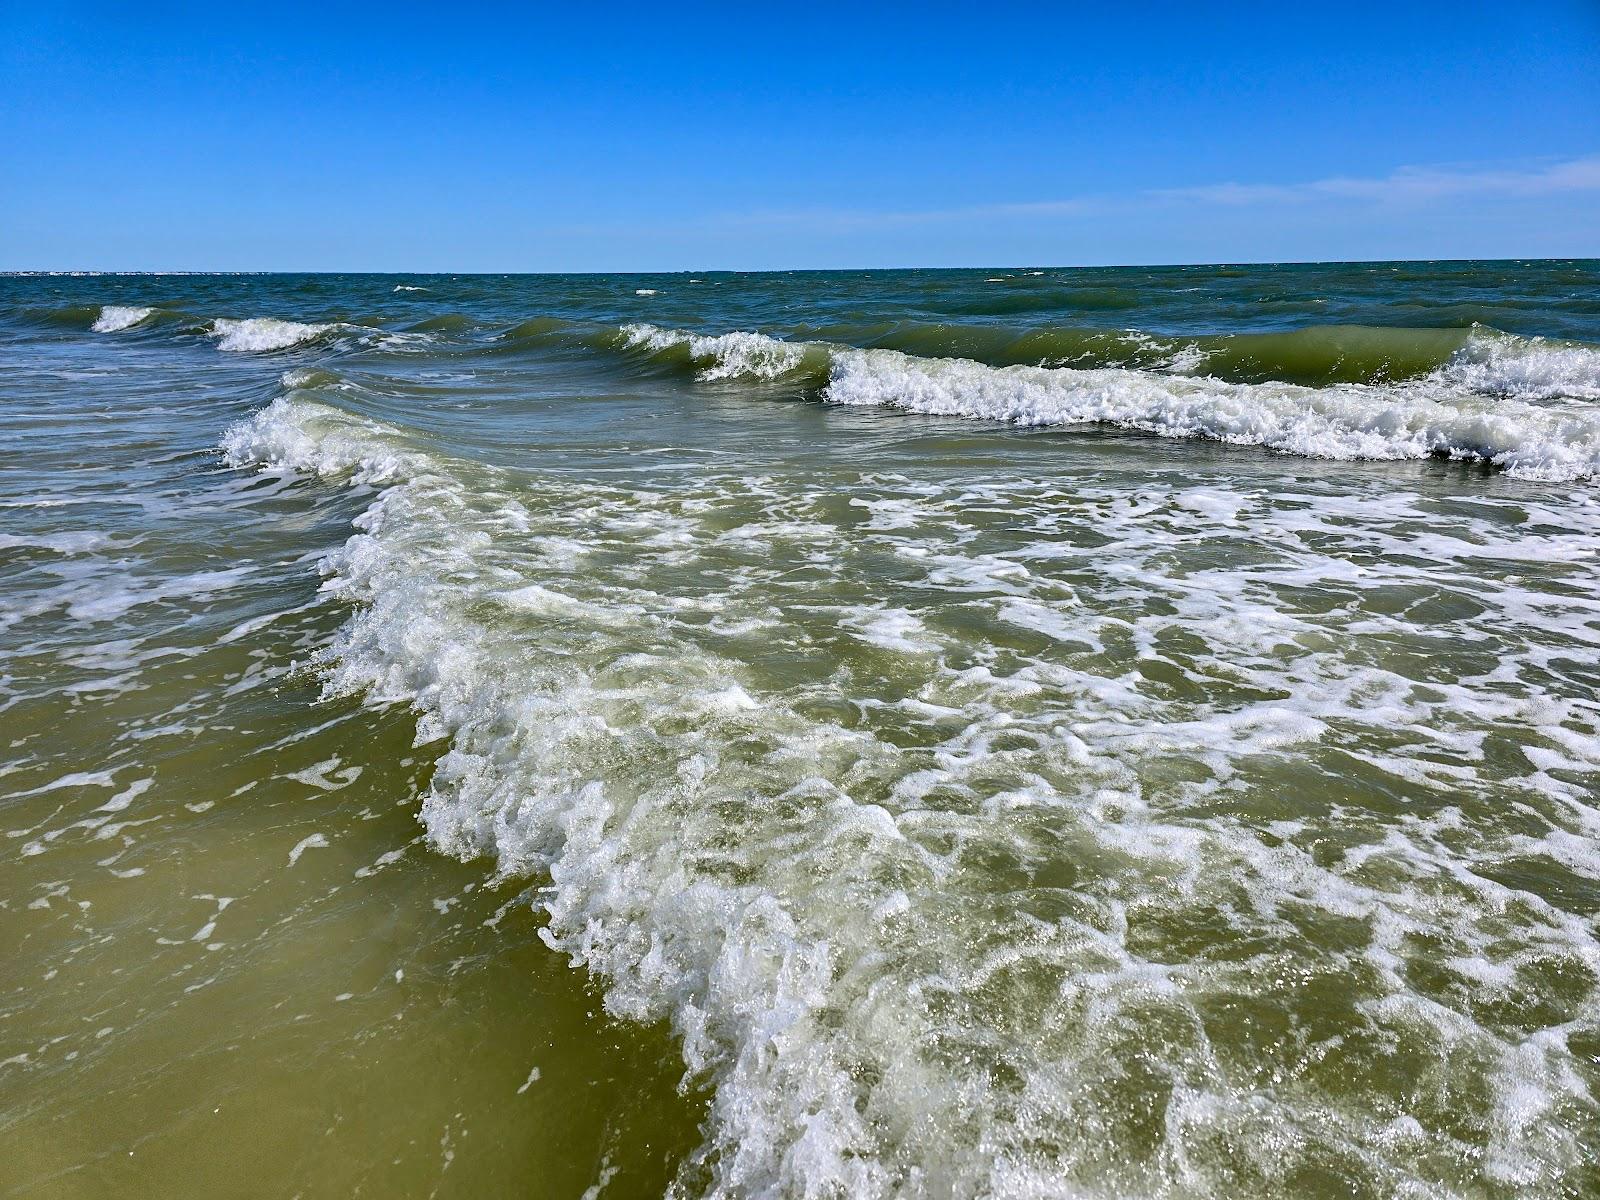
(114, 317)
(254, 335)
(737, 355)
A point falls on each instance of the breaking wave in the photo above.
(257, 334)
(1494, 401)
(1314, 355)
(1524, 368)
(1478, 358)
(730, 355)
(114, 317)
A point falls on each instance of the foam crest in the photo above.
(115, 317)
(737, 355)
(255, 335)
(1525, 368)
(1340, 422)
(296, 434)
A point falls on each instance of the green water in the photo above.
(1080, 733)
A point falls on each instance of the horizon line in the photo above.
(160, 272)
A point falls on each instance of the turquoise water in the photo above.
(1024, 732)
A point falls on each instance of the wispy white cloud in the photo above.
(1417, 186)
(1405, 185)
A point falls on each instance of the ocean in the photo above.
(931, 733)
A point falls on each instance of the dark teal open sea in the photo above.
(1014, 733)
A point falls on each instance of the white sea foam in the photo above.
(891, 629)
(1341, 422)
(315, 841)
(91, 588)
(256, 334)
(406, 287)
(79, 541)
(1186, 361)
(1524, 368)
(928, 926)
(117, 316)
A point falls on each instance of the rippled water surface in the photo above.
(1020, 733)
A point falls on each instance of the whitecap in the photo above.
(256, 334)
(1529, 369)
(1346, 422)
(115, 317)
(723, 356)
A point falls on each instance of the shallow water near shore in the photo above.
(945, 733)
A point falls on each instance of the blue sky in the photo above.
(535, 137)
